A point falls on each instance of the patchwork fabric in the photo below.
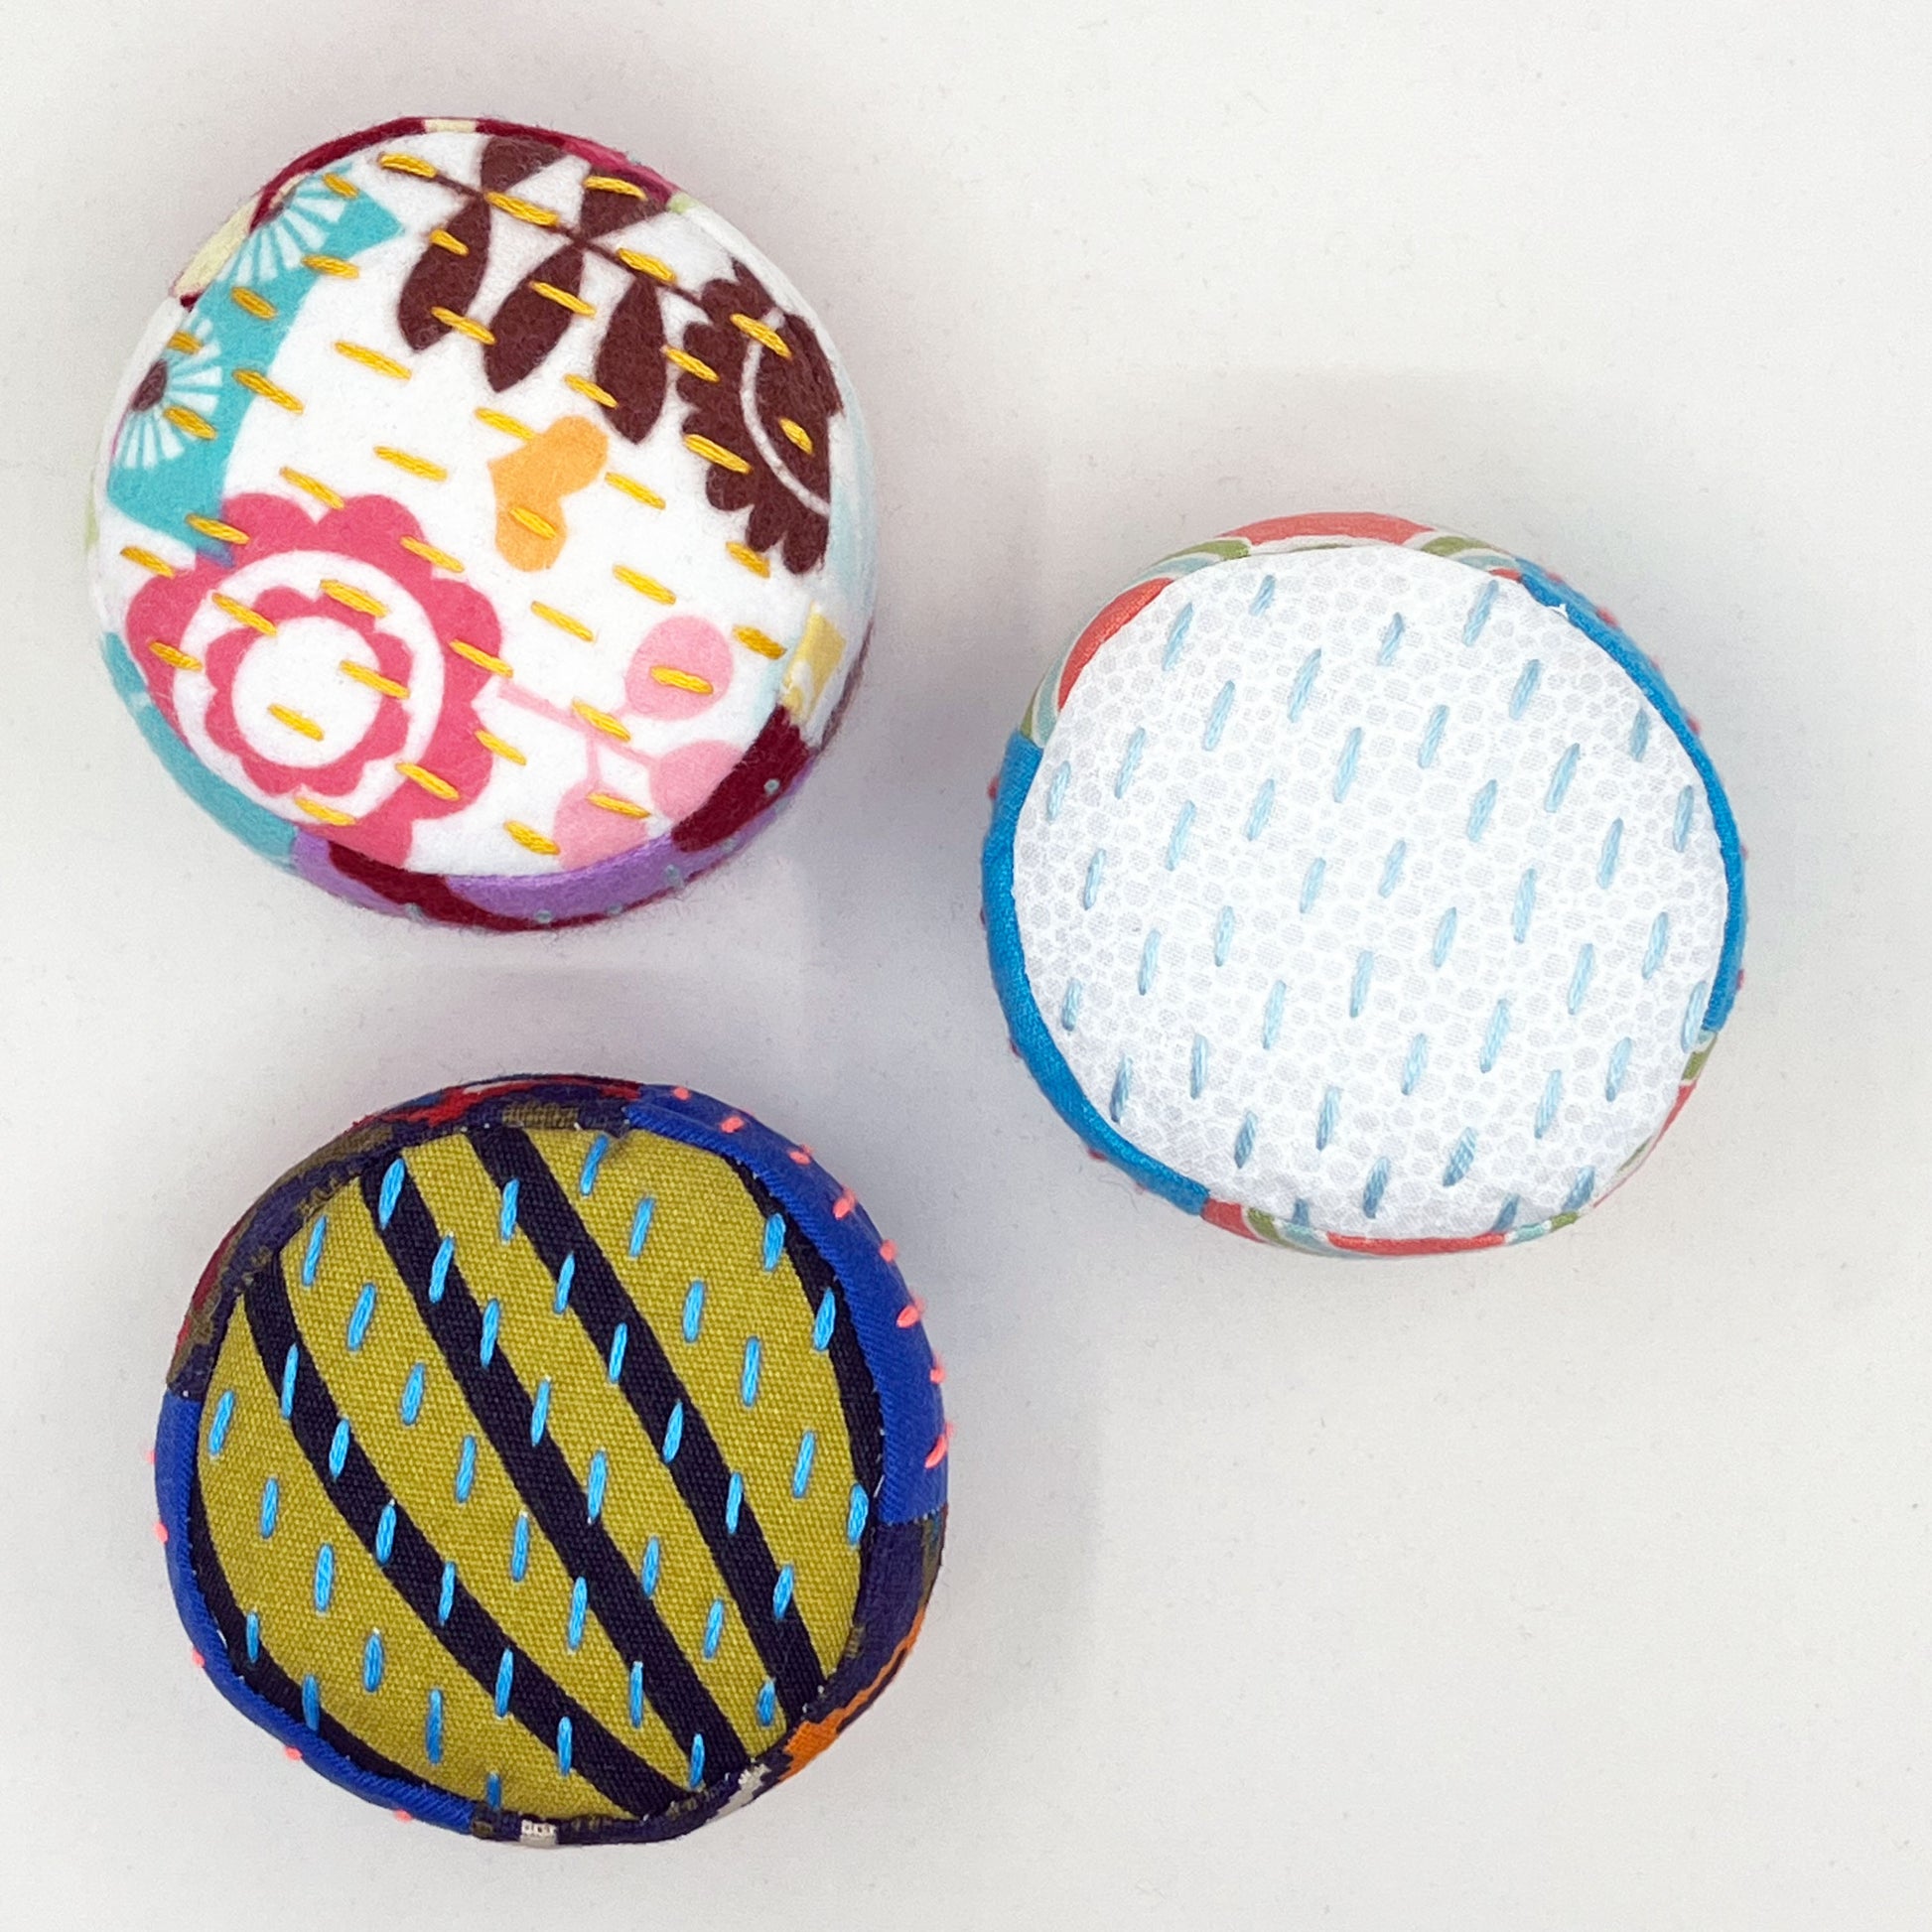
(484, 528)
(1363, 888)
(558, 1460)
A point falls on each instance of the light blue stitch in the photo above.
(713, 1627)
(1612, 848)
(1351, 752)
(311, 1702)
(1693, 1015)
(1177, 840)
(734, 1502)
(1444, 939)
(775, 1242)
(1640, 733)
(1619, 1065)
(593, 1160)
(1070, 1005)
(312, 1255)
(1506, 1215)
(1417, 1064)
(565, 1734)
(540, 1412)
(217, 1433)
(767, 1702)
(520, 1547)
(439, 1269)
(696, 1775)
(1244, 1140)
(652, 1565)
(493, 1321)
(1432, 737)
(445, 1599)
(507, 1218)
(338, 1447)
(1580, 1193)
(386, 1205)
(637, 1697)
(788, 1581)
(1392, 867)
(1325, 1121)
(1271, 1016)
(1485, 602)
(823, 1321)
(1377, 1186)
(1130, 762)
(1262, 810)
(693, 1309)
(1653, 953)
(640, 1224)
(1096, 869)
(506, 1678)
(372, 1663)
(1560, 779)
(801, 1468)
(1150, 958)
(1311, 883)
(1681, 828)
(466, 1469)
(747, 1381)
(1546, 1112)
(1223, 935)
(1579, 980)
(856, 1512)
(361, 1316)
(252, 1637)
(1177, 638)
(493, 1791)
(1481, 807)
(1264, 597)
(1532, 676)
(674, 1432)
(1123, 1086)
(1461, 1158)
(1391, 640)
(1492, 1040)
(1304, 686)
(619, 1341)
(1197, 1067)
(595, 1486)
(1358, 987)
(386, 1532)
(325, 1588)
(1057, 793)
(1519, 918)
(1218, 719)
(290, 1362)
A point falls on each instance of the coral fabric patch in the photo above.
(559, 1460)
(1365, 890)
(473, 507)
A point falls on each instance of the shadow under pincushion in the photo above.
(555, 1460)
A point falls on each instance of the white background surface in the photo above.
(1585, 1585)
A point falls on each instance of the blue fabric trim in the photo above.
(1650, 681)
(1030, 1038)
(255, 825)
(900, 1359)
(176, 1441)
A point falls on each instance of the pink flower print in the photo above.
(314, 668)
(681, 668)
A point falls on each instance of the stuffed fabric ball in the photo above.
(1363, 890)
(556, 1461)
(484, 528)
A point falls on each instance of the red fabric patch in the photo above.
(1332, 524)
(1126, 607)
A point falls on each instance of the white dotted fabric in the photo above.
(1360, 888)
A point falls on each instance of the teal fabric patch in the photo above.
(160, 471)
(256, 825)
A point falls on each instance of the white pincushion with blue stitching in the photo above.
(1363, 888)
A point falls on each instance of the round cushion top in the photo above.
(556, 1461)
(485, 527)
(1363, 888)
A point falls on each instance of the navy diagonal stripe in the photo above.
(470, 1634)
(654, 1389)
(544, 1479)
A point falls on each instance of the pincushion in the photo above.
(556, 1461)
(1362, 888)
(484, 528)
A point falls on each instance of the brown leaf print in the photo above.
(445, 279)
(630, 363)
(507, 160)
(608, 209)
(532, 318)
(760, 415)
